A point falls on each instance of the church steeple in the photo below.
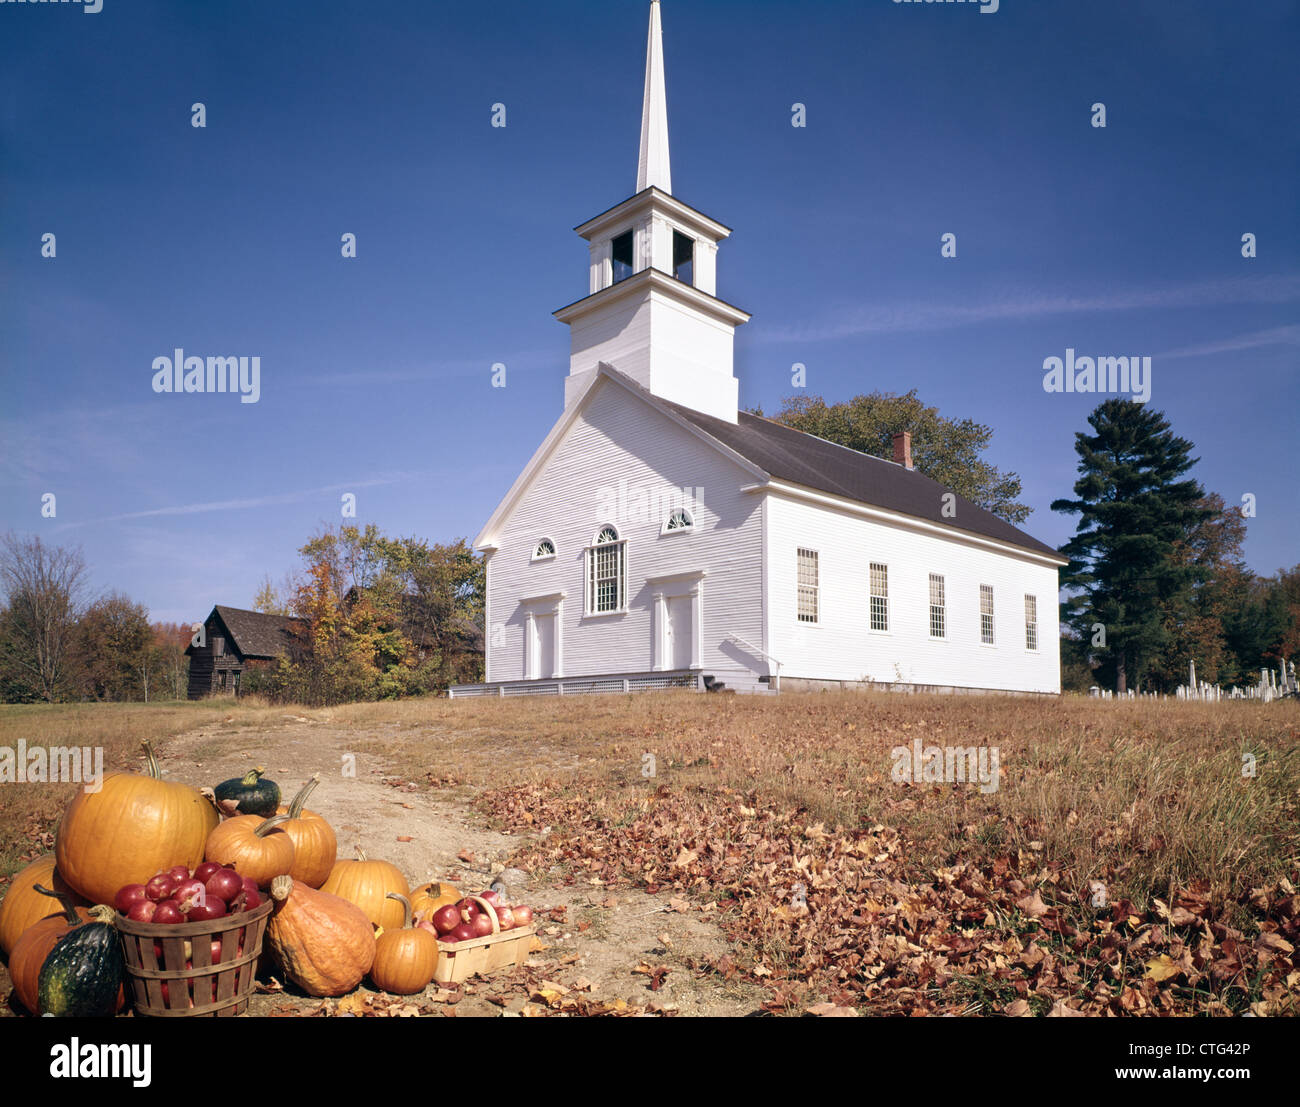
(654, 167)
(652, 310)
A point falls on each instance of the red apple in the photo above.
(462, 933)
(468, 909)
(206, 870)
(189, 894)
(523, 915)
(224, 884)
(482, 926)
(128, 896)
(205, 909)
(142, 911)
(179, 873)
(161, 887)
(506, 918)
(169, 911)
(492, 897)
(447, 918)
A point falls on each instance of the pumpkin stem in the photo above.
(270, 824)
(152, 760)
(406, 908)
(69, 908)
(281, 886)
(361, 854)
(251, 777)
(300, 800)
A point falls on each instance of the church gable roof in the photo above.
(792, 455)
(772, 451)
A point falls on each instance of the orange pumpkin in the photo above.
(253, 846)
(427, 898)
(133, 827)
(367, 884)
(323, 943)
(405, 959)
(23, 906)
(34, 946)
(315, 849)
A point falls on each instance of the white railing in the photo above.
(776, 665)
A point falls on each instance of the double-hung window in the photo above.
(879, 596)
(807, 585)
(986, 614)
(1031, 622)
(938, 610)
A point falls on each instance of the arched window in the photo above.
(678, 520)
(545, 548)
(606, 573)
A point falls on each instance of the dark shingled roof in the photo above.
(791, 455)
(256, 635)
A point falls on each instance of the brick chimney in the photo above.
(903, 448)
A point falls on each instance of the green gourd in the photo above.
(254, 795)
(81, 976)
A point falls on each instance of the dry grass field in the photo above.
(1125, 864)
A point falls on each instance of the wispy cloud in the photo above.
(272, 500)
(1028, 304)
(1275, 336)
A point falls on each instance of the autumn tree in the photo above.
(43, 589)
(1195, 620)
(946, 450)
(112, 645)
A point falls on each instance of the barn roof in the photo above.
(797, 457)
(256, 635)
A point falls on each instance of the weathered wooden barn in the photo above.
(232, 639)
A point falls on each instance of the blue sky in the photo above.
(374, 119)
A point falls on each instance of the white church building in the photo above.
(660, 536)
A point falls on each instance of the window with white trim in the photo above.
(938, 611)
(986, 614)
(607, 573)
(1031, 622)
(545, 548)
(879, 596)
(678, 520)
(807, 586)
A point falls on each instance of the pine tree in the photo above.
(1134, 510)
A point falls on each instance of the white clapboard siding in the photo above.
(841, 646)
(619, 437)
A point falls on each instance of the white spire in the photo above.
(654, 168)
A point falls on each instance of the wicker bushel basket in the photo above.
(165, 986)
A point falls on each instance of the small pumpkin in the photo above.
(250, 793)
(405, 959)
(23, 906)
(133, 827)
(34, 946)
(367, 884)
(253, 846)
(427, 898)
(81, 976)
(315, 848)
(324, 944)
